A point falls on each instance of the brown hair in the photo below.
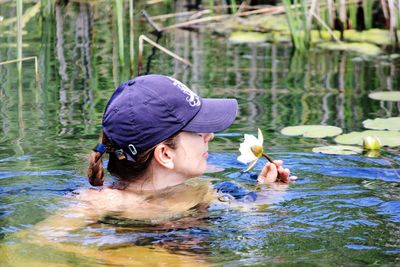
(123, 169)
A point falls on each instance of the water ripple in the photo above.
(10, 174)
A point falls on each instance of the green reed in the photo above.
(47, 7)
(233, 6)
(132, 37)
(211, 5)
(119, 10)
(296, 15)
(353, 14)
(367, 5)
(19, 34)
(393, 11)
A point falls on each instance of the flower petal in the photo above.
(251, 166)
(245, 150)
(251, 140)
(244, 146)
(260, 137)
(246, 158)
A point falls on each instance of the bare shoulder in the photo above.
(107, 199)
(147, 205)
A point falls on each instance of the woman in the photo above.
(156, 132)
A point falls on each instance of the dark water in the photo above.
(343, 210)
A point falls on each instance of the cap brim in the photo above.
(215, 115)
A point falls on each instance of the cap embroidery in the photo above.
(192, 99)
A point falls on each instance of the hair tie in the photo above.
(100, 148)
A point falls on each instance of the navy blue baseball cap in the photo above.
(147, 110)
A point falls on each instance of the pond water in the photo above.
(343, 210)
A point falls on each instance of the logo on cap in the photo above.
(192, 98)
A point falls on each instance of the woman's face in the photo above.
(192, 153)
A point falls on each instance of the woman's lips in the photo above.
(205, 154)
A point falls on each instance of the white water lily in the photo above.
(251, 150)
(372, 143)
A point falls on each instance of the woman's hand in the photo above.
(274, 172)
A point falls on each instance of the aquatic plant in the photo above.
(132, 37)
(143, 38)
(387, 138)
(338, 150)
(211, 5)
(20, 60)
(120, 14)
(312, 131)
(360, 48)
(296, 15)
(370, 148)
(47, 7)
(251, 149)
(385, 96)
(372, 143)
(383, 124)
(19, 35)
(240, 37)
(353, 14)
(367, 6)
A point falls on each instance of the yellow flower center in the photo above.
(372, 143)
(257, 150)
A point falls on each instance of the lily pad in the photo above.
(247, 37)
(312, 131)
(392, 124)
(386, 96)
(388, 138)
(378, 37)
(338, 150)
(361, 48)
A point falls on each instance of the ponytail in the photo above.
(95, 171)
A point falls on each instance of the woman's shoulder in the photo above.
(166, 203)
(107, 198)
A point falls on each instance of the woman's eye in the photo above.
(201, 135)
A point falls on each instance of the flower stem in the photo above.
(268, 157)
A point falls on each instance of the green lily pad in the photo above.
(375, 36)
(361, 48)
(338, 150)
(392, 124)
(394, 56)
(312, 131)
(386, 96)
(247, 37)
(387, 138)
(378, 37)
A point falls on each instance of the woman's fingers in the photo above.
(274, 172)
(278, 163)
(266, 169)
(268, 174)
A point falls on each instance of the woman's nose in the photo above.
(208, 137)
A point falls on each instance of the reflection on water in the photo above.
(343, 209)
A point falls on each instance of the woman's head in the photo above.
(149, 110)
(119, 165)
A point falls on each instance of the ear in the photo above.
(164, 155)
